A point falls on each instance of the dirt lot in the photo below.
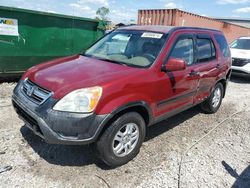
(221, 159)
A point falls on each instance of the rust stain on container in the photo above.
(176, 17)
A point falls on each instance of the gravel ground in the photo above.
(221, 159)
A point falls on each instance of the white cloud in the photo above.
(242, 10)
(96, 2)
(87, 8)
(223, 2)
(80, 7)
(123, 15)
(37, 6)
(170, 5)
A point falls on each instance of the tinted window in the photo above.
(243, 44)
(213, 50)
(184, 49)
(206, 50)
(223, 45)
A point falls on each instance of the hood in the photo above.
(238, 53)
(67, 74)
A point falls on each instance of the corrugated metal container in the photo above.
(31, 37)
(176, 17)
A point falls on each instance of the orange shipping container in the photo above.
(176, 17)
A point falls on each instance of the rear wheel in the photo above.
(122, 140)
(212, 104)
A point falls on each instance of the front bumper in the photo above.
(241, 71)
(57, 127)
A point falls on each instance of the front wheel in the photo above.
(122, 140)
(212, 103)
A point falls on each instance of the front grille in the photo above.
(34, 92)
(240, 62)
(27, 118)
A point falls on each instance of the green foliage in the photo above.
(102, 13)
(102, 25)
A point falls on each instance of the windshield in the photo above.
(243, 44)
(131, 48)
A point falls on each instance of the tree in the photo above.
(102, 13)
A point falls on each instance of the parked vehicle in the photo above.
(132, 78)
(240, 50)
(28, 38)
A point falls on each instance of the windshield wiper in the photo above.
(122, 63)
(116, 62)
(109, 60)
(113, 61)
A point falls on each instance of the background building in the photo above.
(176, 17)
(238, 21)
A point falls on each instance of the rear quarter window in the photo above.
(224, 48)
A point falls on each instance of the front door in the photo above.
(183, 83)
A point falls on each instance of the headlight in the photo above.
(81, 100)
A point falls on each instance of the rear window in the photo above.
(206, 50)
(221, 40)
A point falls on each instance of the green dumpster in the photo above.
(30, 37)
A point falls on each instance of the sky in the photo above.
(126, 10)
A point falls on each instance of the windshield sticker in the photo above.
(152, 35)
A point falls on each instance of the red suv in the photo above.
(130, 79)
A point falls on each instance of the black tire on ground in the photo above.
(207, 106)
(105, 144)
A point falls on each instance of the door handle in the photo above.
(194, 73)
(218, 66)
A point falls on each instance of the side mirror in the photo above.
(174, 64)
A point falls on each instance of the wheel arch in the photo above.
(224, 81)
(224, 84)
(141, 107)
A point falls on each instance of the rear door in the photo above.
(207, 65)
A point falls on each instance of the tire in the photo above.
(210, 105)
(131, 124)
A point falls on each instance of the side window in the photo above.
(184, 49)
(221, 40)
(213, 50)
(206, 50)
